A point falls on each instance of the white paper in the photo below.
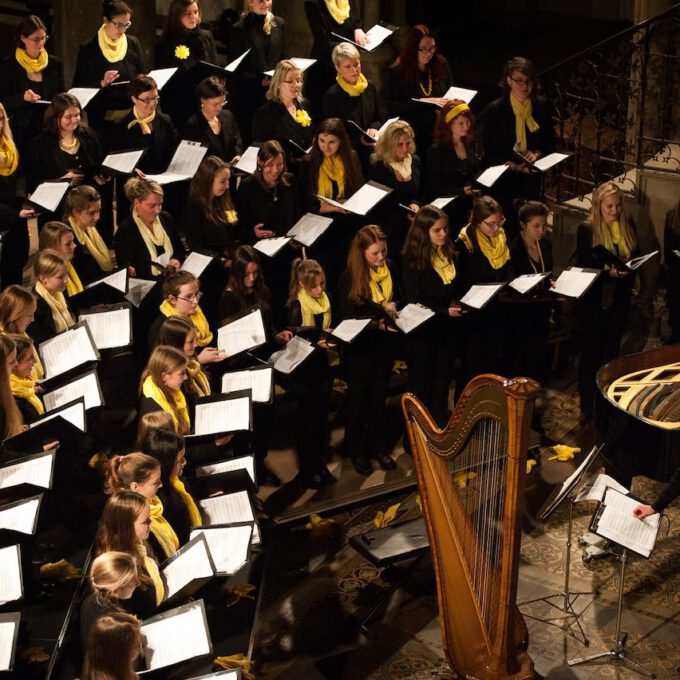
(67, 350)
(348, 329)
(573, 282)
(248, 161)
(87, 387)
(637, 262)
(138, 289)
(595, 491)
(490, 175)
(363, 200)
(21, 517)
(10, 583)
(161, 76)
(192, 564)
(309, 227)
(460, 93)
(48, 195)
(36, 471)
(177, 637)
(196, 263)
(117, 280)
(228, 546)
(83, 94)
(235, 64)
(479, 295)
(74, 414)
(246, 463)
(242, 334)
(228, 509)
(376, 36)
(548, 161)
(441, 203)
(184, 163)
(7, 637)
(163, 259)
(271, 246)
(216, 417)
(301, 63)
(258, 381)
(412, 316)
(382, 128)
(109, 329)
(124, 162)
(524, 283)
(292, 355)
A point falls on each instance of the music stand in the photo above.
(568, 490)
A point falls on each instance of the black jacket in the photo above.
(225, 145)
(204, 233)
(322, 25)
(474, 268)
(272, 121)
(42, 327)
(364, 110)
(266, 51)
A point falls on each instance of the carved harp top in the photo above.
(471, 482)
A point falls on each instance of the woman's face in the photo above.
(291, 85)
(252, 272)
(180, 463)
(117, 26)
(148, 488)
(89, 216)
(426, 49)
(191, 17)
(376, 254)
(190, 343)
(534, 229)
(149, 208)
(212, 106)
(25, 319)
(147, 102)
(186, 300)
(125, 593)
(490, 226)
(438, 233)
(328, 144)
(143, 524)
(403, 147)
(520, 85)
(11, 361)
(55, 283)
(460, 127)
(610, 207)
(272, 169)
(25, 365)
(260, 6)
(34, 43)
(220, 182)
(173, 379)
(349, 70)
(318, 288)
(67, 245)
(70, 120)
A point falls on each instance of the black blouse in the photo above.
(272, 121)
(447, 174)
(205, 233)
(226, 144)
(266, 51)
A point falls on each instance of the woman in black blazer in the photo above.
(29, 75)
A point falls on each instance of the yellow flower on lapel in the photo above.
(182, 52)
(302, 117)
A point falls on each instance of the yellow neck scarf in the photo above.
(57, 303)
(444, 267)
(24, 388)
(194, 515)
(113, 50)
(9, 158)
(339, 10)
(523, 120)
(161, 529)
(352, 90)
(143, 122)
(403, 167)
(152, 391)
(198, 378)
(37, 372)
(331, 170)
(74, 284)
(614, 240)
(380, 284)
(311, 307)
(91, 239)
(152, 570)
(29, 64)
(155, 237)
(494, 249)
(203, 335)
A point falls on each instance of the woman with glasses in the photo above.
(28, 76)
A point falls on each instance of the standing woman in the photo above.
(428, 275)
(183, 44)
(29, 75)
(671, 248)
(113, 645)
(60, 237)
(605, 306)
(17, 311)
(367, 289)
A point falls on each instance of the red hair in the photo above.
(407, 61)
(442, 130)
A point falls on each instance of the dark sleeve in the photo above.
(315, 21)
(584, 245)
(294, 314)
(42, 326)
(178, 250)
(671, 492)
(194, 225)
(379, 107)
(124, 246)
(345, 306)
(227, 306)
(244, 205)
(210, 48)
(11, 97)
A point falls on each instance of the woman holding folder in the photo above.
(61, 238)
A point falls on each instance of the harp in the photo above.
(471, 481)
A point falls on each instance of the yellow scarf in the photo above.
(152, 391)
(9, 158)
(143, 122)
(74, 284)
(199, 379)
(158, 237)
(339, 10)
(203, 334)
(194, 515)
(29, 64)
(331, 170)
(494, 249)
(444, 267)
(353, 90)
(523, 120)
(57, 303)
(614, 240)
(91, 239)
(113, 50)
(152, 570)
(380, 284)
(161, 529)
(24, 388)
(403, 167)
(311, 307)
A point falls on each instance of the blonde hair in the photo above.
(49, 262)
(283, 69)
(13, 419)
(111, 571)
(51, 233)
(154, 420)
(597, 222)
(138, 188)
(6, 133)
(388, 140)
(345, 51)
(14, 301)
(302, 273)
(269, 19)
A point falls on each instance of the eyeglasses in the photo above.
(521, 81)
(191, 298)
(297, 81)
(151, 100)
(39, 39)
(494, 225)
(122, 26)
(427, 49)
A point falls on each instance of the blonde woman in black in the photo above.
(61, 238)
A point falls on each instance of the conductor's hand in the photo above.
(642, 511)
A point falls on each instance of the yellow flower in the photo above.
(383, 519)
(530, 464)
(231, 216)
(302, 117)
(563, 452)
(182, 52)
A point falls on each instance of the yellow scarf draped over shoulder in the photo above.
(142, 122)
(153, 571)
(29, 64)
(199, 380)
(523, 119)
(92, 240)
(161, 529)
(203, 335)
(339, 10)
(152, 391)
(444, 267)
(380, 284)
(311, 307)
(9, 157)
(24, 388)
(73, 284)
(156, 236)
(194, 514)
(494, 249)
(614, 240)
(331, 170)
(113, 50)
(352, 90)
(57, 304)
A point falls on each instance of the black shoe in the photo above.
(362, 465)
(386, 461)
(266, 477)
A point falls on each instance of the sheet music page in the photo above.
(109, 329)
(618, 524)
(376, 36)
(242, 334)
(412, 316)
(21, 517)
(187, 158)
(161, 76)
(10, 568)
(246, 463)
(73, 414)
(228, 546)
(523, 284)
(364, 199)
(7, 638)
(86, 387)
(385, 125)
(479, 295)
(228, 509)
(460, 93)
(176, 638)
(573, 282)
(548, 161)
(48, 195)
(596, 490)
(300, 62)
(260, 382)
(337, 204)
(639, 261)
(196, 263)
(138, 289)
(490, 175)
(83, 94)
(309, 227)
(271, 246)
(117, 280)
(441, 203)
(232, 674)
(248, 160)
(124, 162)
(167, 177)
(293, 354)
(216, 417)
(66, 351)
(348, 329)
(235, 64)
(192, 564)
(37, 471)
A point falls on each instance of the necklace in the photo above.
(427, 92)
(540, 257)
(65, 145)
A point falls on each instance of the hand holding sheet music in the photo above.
(184, 163)
(574, 281)
(412, 316)
(292, 355)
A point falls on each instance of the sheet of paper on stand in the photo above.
(232, 66)
(217, 417)
(229, 546)
(35, 470)
(573, 282)
(292, 355)
(83, 94)
(246, 463)
(138, 289)
(595, 491)
(259, 381)
(196, 263)
(9, 631)
(489, 177)
(524, 283)
(110, 329)
(348, 329)
(248, 161)
(67, 350)
(161, 76)
(192, 563)
(21, 516)
(412, 316)
(73, 413)
(302, 63)
(243, 334)
(124, 162)
(230, 508)
(86, 386)
(271, 246)
(184, 163)
(48, 195)
(11, 587)
(481, 294)
(309, 227)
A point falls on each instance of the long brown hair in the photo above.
(14, 301)
(356, 262)
(417, 249)
(200, 190)
(242, 257)
(13, 420)
(268, 150)
(110, 644)
(123, 471)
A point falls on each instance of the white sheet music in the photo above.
(309, 227)
(196, 263)
(548, 161)
(10, 568)
(441, 203)
(184, 163)
(110, 329)
(248, 160)
(385, 125)
(348, 329)
(246, 463)
(138, 289)
(216, 417)
(228, 509)
(48, 195)
(117, 280)
(161, 76)
(460, 93)
(242, 334)
(412, 316)
(259, 381)
(83, 94)
(523, 284)
(8, 634)
(292, 355)
(490, 175)
(366, 198)
(231, 674)
(479, 295)
(36, 471)
(596, 490)
(300, 62)
(228, 546)
(163, 259)
(376, 36)
(573, 282)
(181, 635)
(74, 414)
(66, 351)
(124, 162)
(271, 246)
(639, 261)
(86, 387)
(21, 517)
(192, 564)
(231, 67)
